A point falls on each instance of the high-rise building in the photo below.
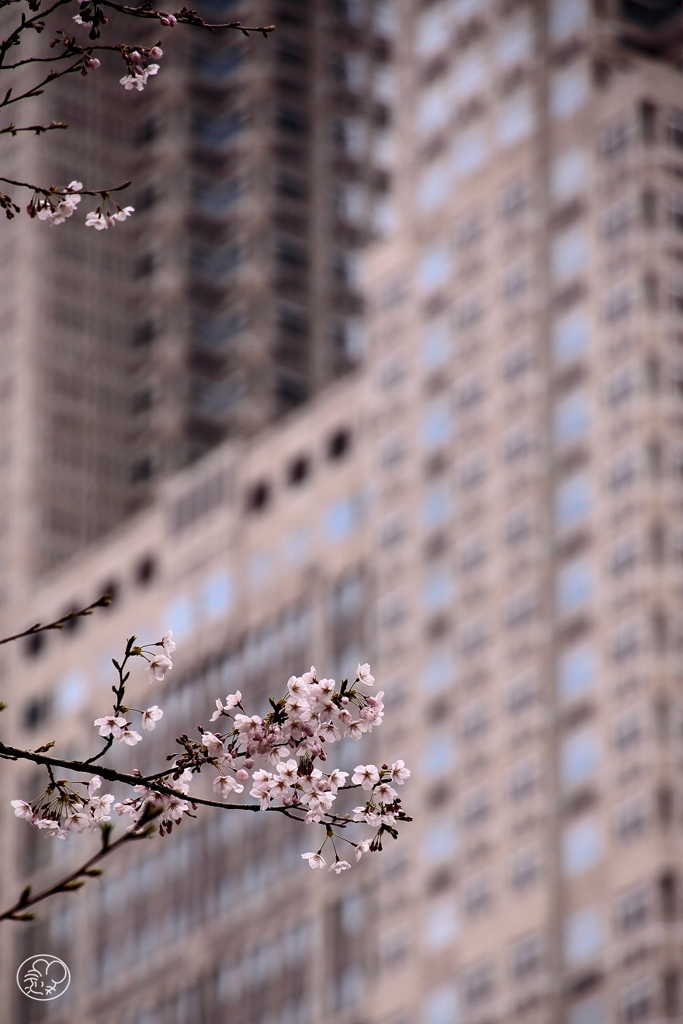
(231, 296)
(489, 513)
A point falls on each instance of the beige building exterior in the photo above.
(489, 512)
(232, 294)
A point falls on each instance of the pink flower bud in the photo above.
(242, 774)
(156, 52)
(168, 19)
(249, 763)
(93, 62)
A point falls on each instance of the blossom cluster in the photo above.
(279, 757)
(69, 810)
(139, 68)
(59, 203)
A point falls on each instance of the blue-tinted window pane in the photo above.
(579, 758)
(441, 1006)
(569, 254)
(573, 501)
(437, 425)
(575, 586)
(437, 508)
(438, 756)
(570, 336)
(179, 618)
(440, 841)
(581, 847)
(341, 519)
(439, 672)
(437, 346)
(217, 595)
(572, 418)
(577, 671)
(434, 270)
(583, 937)
(438, 590)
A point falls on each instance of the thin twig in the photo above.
(39, 129)
(101, 602)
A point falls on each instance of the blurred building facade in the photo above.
(489, 511)
(229, 298)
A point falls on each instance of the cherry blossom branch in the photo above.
(75, 879)
(101, 602)
(38, 129)
(185, 17)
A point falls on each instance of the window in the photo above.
(516, 282)
(579, 758)
(179, 618)
(437, 345)
(437, 507)
(477, 895)
(588, 1011)
(471, 391)
(583, 935)
(621, 472)
(475, 721)
(434, 187)
(433, 30)
(625, 642)
(476, 806)
(571, 335)
(470, 230)
(437, 592)
(618, 304)
(525, 868)
(478, 983)
(217, 595)
(526, 958)
(470, 153)
(515, 44)
(569, 254)
(631, 819)
(441, 925)
(629, 729)
(473, 553)
(616, 220)
(521, 609)
(438, 756)
(577, 671)
(469, 77)
(341, 519)
(572, 418)
(517, 360)
(623, 556)
(472, 471)
(637, 1002)
(568, 91)
(568, 174)
(581, 847)
(433, 112)
(298, 546)
(522, 695)
(439, 672)
(575, 586)
(515, 198)
(437, 425)
(518, 442)
(573, 501)
(474, 636)
(516, 121)
(615, 138)
(441, 1006)
(440, 841)
(632, 909)
(566, 17)
(519, 525)
(524, 779)
(434, 269)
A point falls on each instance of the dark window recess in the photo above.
(298, 470)
(113, 590)
(141, 470)
(141, 401)
(650, 14)
(292, 324)
(146, 198)
(258, 496)
(145, 570)
(651, 290)
(291, 390)
(143, 266)
(649, 208)
(143, 334)
(292, 254)
(671, 994)
(648, 122)
(34, 644)
(291, 186)
(293, 55)
(148, 130)
(292, 120)
(339, 444)
(668, 896)
(36, 712)
(665, 805)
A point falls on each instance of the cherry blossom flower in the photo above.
(365, 775)
(315, 860)
(339, 866)
(362, 848)
(167, 641)
(128, 736)
(111, 725)
(65, 207)
(77, 821)
(94, 785)
(231, 701)
(225, 785)
(385, 793)
(150, 717)
(213, 743)
(364, 675)
(399, 772)
(22, 809)
(137, 79)
(159, 666)
(100, 221)
(51, 827)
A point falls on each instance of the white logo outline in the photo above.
(34, 970)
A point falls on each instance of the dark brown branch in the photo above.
(101, 602)
(186, 17)
(39, 129)
(71, 882)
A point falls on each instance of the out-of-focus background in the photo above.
(387, 366)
